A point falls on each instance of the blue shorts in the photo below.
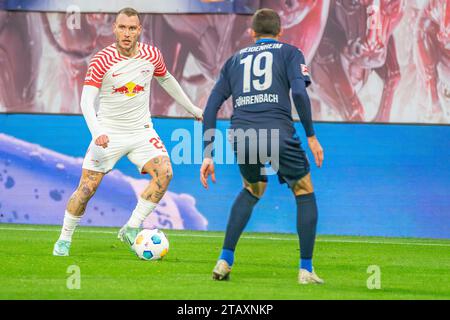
(290, 161)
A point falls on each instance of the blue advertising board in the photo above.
(377, 180)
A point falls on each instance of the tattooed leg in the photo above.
(160, 169)
(89, 182)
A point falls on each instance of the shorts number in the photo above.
(156, 142)
(258, 71)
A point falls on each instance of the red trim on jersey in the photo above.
(100, 64)
(92, 83)
(106, 58)
(154, 56)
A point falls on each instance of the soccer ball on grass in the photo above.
(151, 244)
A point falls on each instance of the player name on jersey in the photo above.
(262, 47)
(257, 98)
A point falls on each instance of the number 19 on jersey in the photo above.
(261, 68)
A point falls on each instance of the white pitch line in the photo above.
(247, 237)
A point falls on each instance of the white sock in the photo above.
(142, 210)
(69, 225)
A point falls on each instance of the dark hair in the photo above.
(266, 21)
(129, 12)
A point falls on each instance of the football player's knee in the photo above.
(257, 189)
(166, 181)
(169, 174)
(164, 176)
(165, 169)
(303, 186)
(85, 191)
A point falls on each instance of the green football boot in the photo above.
(128, 235)
(61, 248)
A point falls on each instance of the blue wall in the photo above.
(377, 180)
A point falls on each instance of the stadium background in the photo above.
(387, 150)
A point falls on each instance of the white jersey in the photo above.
(124, 84)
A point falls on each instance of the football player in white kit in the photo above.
(120, 76)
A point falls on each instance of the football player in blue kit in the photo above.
(259, 79)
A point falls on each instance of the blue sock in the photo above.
(227, 255)
(306, 264)
(306, 228)
(239, 216)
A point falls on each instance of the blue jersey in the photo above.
(259, 78)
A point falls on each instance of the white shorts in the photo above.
(139, 147)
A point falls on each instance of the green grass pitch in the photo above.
(265, 267)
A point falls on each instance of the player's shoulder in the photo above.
(149, 48)
(291, 49)
(149, 52)
(109, 51)
(104, 59)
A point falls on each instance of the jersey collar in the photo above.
(263, 40)
(137, 55)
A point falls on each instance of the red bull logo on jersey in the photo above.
(130, 89)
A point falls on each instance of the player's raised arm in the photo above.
(299, 79)
(173, 88)
(219, 94)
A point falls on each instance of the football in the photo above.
(151, 244)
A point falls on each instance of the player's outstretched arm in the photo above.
(173, 88)
(87, 104)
